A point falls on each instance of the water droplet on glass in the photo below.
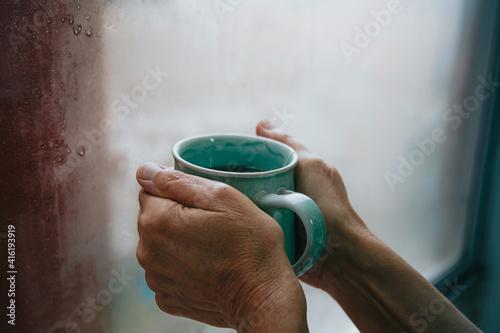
(81, 151)
(75, 97)
(74, 64)
(87, 17)
(99, 34)
(68, 17)
(88, 31)
(78, 7)
(34, 36)
(68, 151)
(77, 29)
(60, 84)
(69, 55)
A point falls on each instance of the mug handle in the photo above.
(310, 215)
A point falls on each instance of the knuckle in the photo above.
(287, 138)
(169, 178)
(153, 217)
(141, 255)
(163, 303)
(144, 221)
(319, 166)
(142, 196)
(316, 162)
(223, 191)
(202, 199)
(150, 281)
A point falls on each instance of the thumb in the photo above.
(267, 129)
(175, 185)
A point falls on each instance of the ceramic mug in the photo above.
(262, 169)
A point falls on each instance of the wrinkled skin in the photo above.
(210, 254)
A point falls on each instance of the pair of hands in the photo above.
(210, 254)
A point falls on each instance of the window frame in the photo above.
(470, 268)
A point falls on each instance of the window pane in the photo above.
(377, 88)
(366, 85)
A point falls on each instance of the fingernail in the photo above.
(148, 171)
(267, 124)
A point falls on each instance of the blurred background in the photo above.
(396, 94)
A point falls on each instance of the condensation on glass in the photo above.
(92, 89)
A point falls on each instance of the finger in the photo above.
(178, 186)
(151, 203)
(159, 284)
(158, 253)
(160, 215)
(267, 129)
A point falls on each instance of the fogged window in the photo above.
(375, 87)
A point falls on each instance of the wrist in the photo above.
(278, 305)
(350, 259)
(346, 233)
(380, 291)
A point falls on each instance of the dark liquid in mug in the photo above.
(237, 168)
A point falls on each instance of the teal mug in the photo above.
(263, 170)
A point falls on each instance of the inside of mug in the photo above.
(232, 153)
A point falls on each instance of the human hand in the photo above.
(323, 184)
(213, 256)
(376, 288)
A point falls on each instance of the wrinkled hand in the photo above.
(376, 288)
(213, 256)
(323, 184)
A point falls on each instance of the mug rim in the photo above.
(293, 156)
